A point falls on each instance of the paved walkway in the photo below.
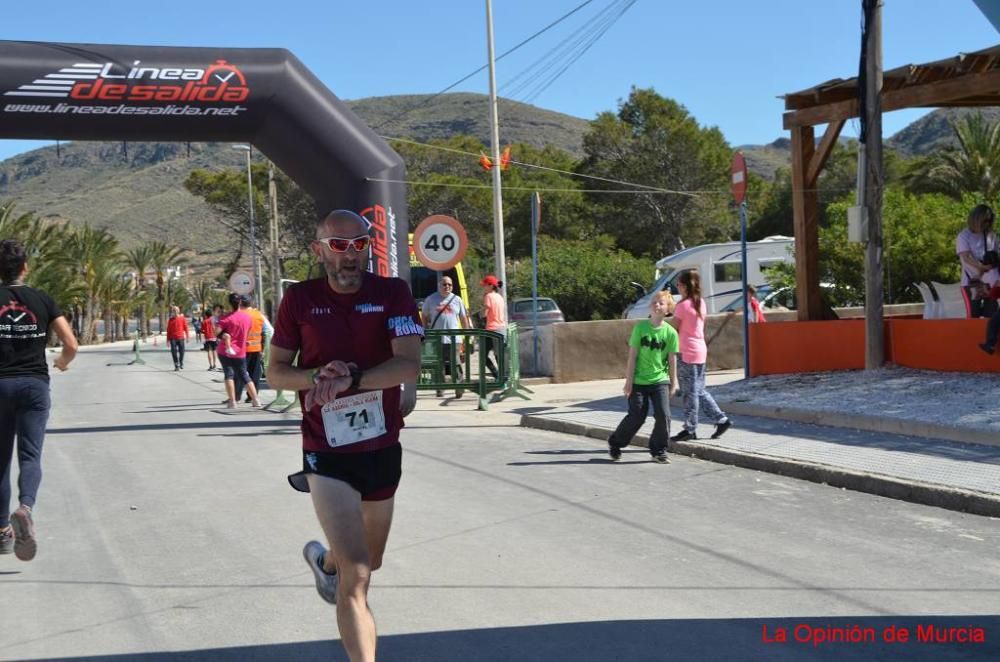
(955, 463)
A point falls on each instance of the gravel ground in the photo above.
(960, 399)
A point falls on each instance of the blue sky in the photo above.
(727, 61)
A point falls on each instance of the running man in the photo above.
(357, 336)
(26, 317)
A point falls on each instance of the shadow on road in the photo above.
(639, 641)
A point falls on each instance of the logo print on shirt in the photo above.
(15, 311)
(652, 343)
(320, 310)
(369, 308)
(404, 325)
(311, 460)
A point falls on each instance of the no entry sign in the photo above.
(738, 178)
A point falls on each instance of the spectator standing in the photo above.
(496, 319)
(650, 377)
(690, 315)
(445, 310)
(260, 331)
(756, 311)
(178, 334)
(211, 344)
(27, 315)
(233, 330)
(976, 247)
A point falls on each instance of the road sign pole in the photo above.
(738, 186)
(746, 293)
(536, 211)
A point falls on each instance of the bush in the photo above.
(588, 279)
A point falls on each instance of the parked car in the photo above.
(784, 299)
(520, 311)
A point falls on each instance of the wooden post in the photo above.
(874, 181)
(805, 205)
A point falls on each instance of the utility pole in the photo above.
(874, 178)
(501, 268)
(272, 194)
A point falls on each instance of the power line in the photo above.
(526, 165)
(554, 49)
(410, 182)
(566, 52)
(499, 57)
(535, 93)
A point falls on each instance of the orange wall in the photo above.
(783, 347)
(948, 345)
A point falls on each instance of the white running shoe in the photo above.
(326, 584)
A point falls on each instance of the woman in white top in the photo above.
(976, 246)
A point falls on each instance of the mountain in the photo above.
(135, 190)
(930, 133)
(764, 160)
(933, 131)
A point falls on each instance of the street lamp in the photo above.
(254, 253)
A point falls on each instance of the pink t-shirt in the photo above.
(237, 325)
(691, 329)
(496, 317)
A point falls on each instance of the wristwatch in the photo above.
(355, 377)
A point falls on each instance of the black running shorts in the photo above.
(375, 474)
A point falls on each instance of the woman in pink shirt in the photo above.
(496, 318)
(690, 316)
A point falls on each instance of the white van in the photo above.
(721, 269)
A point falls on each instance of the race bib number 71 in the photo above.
(357, 417)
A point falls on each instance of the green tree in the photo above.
(96, 260)
(589, 279)
(972, 168)
(654, 141)
(139, 260)
(163, 256)
(919, 246)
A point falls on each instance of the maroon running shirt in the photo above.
(325, 326)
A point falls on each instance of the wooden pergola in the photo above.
(969, 79)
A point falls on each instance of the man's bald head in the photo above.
(342, 223)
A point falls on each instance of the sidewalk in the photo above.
(930, 438)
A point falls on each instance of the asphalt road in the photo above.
(168, 532)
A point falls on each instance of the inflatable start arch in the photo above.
(265, 97)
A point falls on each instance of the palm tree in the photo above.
(203, 293)
(972, 168)
(161, 257)
(94, 257)
(46, 244)
(139, 259)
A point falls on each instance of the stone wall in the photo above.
(583, 351)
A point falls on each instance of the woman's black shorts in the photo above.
(374, 474)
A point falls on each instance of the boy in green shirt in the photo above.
(652, 363)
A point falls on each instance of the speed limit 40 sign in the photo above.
(439, 242)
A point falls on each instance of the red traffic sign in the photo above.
(738, 178)
(439, 242)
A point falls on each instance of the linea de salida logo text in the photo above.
(110, 82)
